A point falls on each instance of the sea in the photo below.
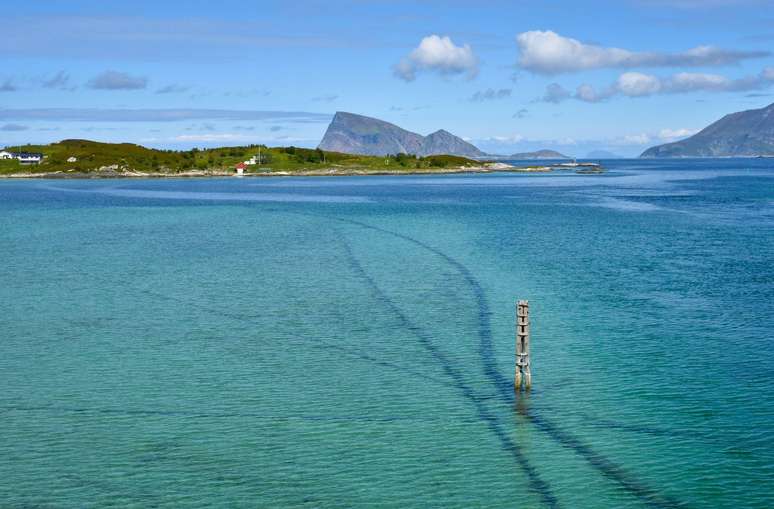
(349, 341)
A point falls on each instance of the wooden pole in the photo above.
(522, 371)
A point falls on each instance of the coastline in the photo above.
(329, 172)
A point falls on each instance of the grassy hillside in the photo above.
(91, 156)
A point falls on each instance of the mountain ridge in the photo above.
(748, 133)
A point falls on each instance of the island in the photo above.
(539, 154)
(91, 159)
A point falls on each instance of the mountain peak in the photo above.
(357, 134)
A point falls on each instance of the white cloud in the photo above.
(587, 93)
(438, 54)
(662, 136)
(550, 53)
(689, 81)
(674, 134)
(547, 52)
(511, 138)
(635, 84)
(636, 139)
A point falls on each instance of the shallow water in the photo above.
(338, 342)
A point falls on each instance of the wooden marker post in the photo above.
(522, 371)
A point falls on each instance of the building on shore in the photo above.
(29, 157)
(22, 157)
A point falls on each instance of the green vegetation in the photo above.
(94, 157)
(10, 166)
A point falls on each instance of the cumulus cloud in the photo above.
(635, 84)
(546, 52)
(440, 55)
(114, 80)
(490, 94)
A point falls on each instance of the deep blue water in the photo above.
(348, 341)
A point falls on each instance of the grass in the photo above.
(91, 156)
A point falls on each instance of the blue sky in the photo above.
(507, 75)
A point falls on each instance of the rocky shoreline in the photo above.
(113, 172)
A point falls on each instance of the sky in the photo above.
(508, 76)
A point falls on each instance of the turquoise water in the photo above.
(348, 342)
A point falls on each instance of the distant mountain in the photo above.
(745, 133)
(540, 154)
(602, 154)
(357, 134)
(444, 142)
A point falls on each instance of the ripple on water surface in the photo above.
(349, 341)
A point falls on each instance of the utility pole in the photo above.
(522, 371)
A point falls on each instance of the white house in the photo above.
(29, 157)
(72, 159)
(4, 154)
